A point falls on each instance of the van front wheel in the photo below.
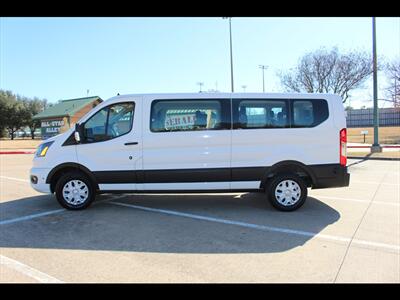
(287, 192)
(74, 191)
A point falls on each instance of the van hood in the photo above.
(59, 136)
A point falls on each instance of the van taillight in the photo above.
(343, 147)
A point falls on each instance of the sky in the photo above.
(62, 58)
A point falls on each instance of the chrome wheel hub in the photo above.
(75, 192)
(287, 192)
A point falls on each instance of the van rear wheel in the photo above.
(287, 192)
(74, 191)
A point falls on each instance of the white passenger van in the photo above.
(279, 144)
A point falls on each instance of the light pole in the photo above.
(375, 146)
(230, 44)
(263, 67)
(395, 98)
(200, 85)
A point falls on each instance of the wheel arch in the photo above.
(289, 166)
(63, 168)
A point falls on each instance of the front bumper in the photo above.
(39, 176)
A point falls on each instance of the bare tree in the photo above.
(325, 71)
(393, 90)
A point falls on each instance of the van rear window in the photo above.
(278, 113)
(309, 113)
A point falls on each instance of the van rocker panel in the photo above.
(323, 176)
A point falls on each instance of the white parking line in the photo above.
(263, 227)
(354, 200)
(51, 212)
(13, 178)
(28, 271)
(29, 217)
(374, 182)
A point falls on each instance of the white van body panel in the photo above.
(338, 113)
(184, 150)
(266, 147)
(57, 156)
(114, 155)
(186, 186)
(117, 186)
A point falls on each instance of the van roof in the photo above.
(207, 95)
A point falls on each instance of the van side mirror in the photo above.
(78, 134)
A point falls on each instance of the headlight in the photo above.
(42, 149)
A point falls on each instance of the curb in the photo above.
(373, 158)
(18, 152)
(388, 147)
(368, 147)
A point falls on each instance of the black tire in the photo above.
(68, 177)
(278, 179)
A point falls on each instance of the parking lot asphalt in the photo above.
(347, 234)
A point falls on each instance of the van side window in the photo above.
(110, 122)
(303, 115)
(260, 113)
(189, 115)
(309, 113)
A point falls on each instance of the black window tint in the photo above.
(309, 113)
(110, 122)
(260, 113)
(321, 112)
(189, 115)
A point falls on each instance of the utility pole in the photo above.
(200, 85)
(87, 93)
(263, 67)
(375, 146)
(230, 35)
(230, 45)
(395, 98)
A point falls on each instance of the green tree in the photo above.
(17, 111)
(17, 117)
(5, 100)
(7, 105)
(13, 113)
(33, 107)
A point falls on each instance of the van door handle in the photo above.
(131, 143)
